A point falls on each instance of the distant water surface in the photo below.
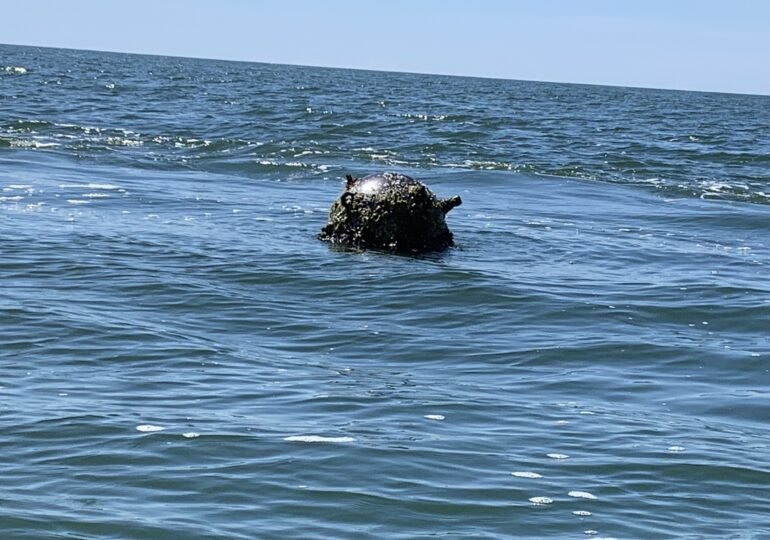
(180, 357)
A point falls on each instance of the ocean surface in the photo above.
(180, 357)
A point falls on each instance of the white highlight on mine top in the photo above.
(557, 456)
(540, 500)
(435, 416)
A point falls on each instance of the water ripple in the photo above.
(172, 332)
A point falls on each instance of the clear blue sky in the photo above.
(687, 44)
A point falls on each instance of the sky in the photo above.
(679, 44)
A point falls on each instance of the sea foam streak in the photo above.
(318, 439)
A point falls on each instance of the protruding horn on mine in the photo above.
(448, 204)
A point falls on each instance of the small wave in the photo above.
(491, 165)
(149, 428)
(89, 186)
(85, 137)
(318, 439)
(273, 165)
(123, 141)
(424, 117)
(527, 474)
(309, 153)
(31, 143)
(723, 187)
(581, 495)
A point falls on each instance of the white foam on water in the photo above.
(123, 141)
(557, 456)
(191, 435)
(78, 201)
(318, 439)
(435, 417)
(716, 186)
(526, 474)
(16, 69)
(582, 513)
(676, 449)
(90, 185)
(540, 500)
(13, 198)
(18, 186)
(22, 143)
(149, 428)
(581, 495)
(562, 422)
(96, 195)
(307, 153)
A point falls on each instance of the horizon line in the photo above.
(317, 66)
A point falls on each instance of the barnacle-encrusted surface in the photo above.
(391, 212)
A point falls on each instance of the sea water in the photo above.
(180, 357)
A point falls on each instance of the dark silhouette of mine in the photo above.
(390, 212)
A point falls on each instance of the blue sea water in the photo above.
(180, 357)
